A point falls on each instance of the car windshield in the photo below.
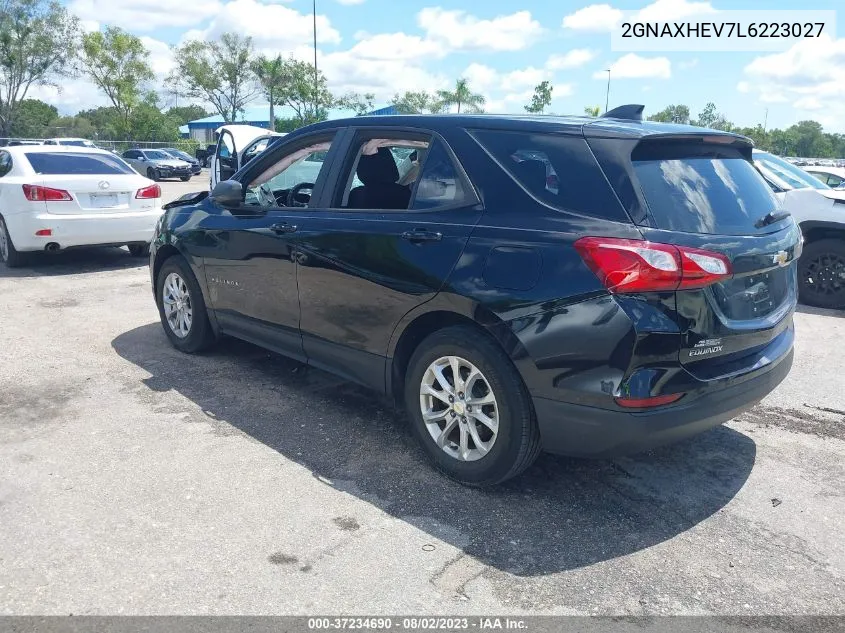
(178, 153)
(77, 143)
(789, 175)
(157, 155)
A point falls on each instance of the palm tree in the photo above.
(462, 96)
(272, 75)
(592, 110)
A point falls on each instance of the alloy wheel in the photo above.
(459, 408)
(176, 299)
(825, 275)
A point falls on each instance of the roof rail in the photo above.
(630, 112)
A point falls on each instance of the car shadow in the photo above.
(803, 309)
(561, 514)
(74, 262)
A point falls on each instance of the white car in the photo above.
(54, 197)
(236, 146)
(820, 212)
(831, 176)
(70, 142)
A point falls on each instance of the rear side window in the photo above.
(699, 189)
(439, 183)
(559, 170)
(77, 164)
(5, 163)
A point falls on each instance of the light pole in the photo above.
(765, 120)
(316, 81)
(607, 96)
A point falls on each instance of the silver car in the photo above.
(155, 164)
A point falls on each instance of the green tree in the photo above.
(416, 103)
(462, 96)
(105, 119)
(149, 123)
(810, 140)
(218, 72)
(592, 110)
(33, 117)
(710, 117)
(288, 124)
(117, 62)
(541, 99)
(271, 74)
(359, 104)
(672, 114)
(36, 46)
(309, 100)
(75, 126)
(183, 114)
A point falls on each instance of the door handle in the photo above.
(283, 227)
(420, 235)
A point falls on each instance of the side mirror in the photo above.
(228, 193)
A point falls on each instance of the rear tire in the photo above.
(515, 443)
(821, 274)
(139, 250)
(8, 254)
(153, 174)
(184, 289)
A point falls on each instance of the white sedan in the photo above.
(54, 197)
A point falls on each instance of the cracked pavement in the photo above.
(138, 480)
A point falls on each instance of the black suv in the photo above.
(577, 285)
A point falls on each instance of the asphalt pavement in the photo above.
(138, 480)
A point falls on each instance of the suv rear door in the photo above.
(702, 191)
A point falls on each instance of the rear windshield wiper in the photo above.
(771, 218)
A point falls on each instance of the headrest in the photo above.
(378, 168)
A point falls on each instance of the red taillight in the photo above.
(626, 266)
(153, 191)
(44, 232)
(37, 193)
(642, 403)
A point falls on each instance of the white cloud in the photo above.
(486, 79)
(810, 75)
(459, 31)
(604, 17)
(668, 10)
(596, 17)
(687, 65)
(395, 46)
(161, 58)
(632, 66)
(571, 59)
(144, 15)
(274, 28)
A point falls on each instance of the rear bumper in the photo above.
(90, 229)
(583, 431)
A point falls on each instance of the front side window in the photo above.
(290, 181)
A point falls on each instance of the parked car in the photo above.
(178, 154)
(649, 299)
(156, 164)
(70, 142)
(820, 213)
(53, 198)
(833, 177)
(236, 146)
(19, 141)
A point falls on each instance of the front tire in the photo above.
(479, 429)
(181, 307)
(153, 174)
(184, 178)
(8, 254)
(821, 274)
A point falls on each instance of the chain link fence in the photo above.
(186, 145)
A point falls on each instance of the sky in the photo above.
(503, 48)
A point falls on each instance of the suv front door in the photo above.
(250, 252)
(362, 269)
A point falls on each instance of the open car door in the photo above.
(231, 141)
